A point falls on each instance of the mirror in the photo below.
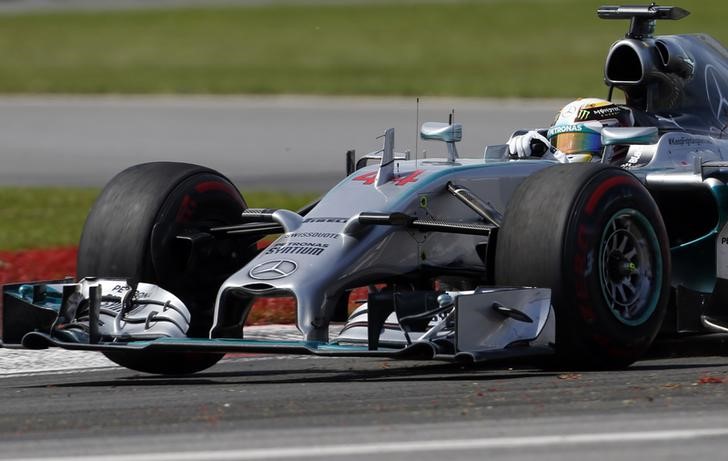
(631, 135)
(438, 131)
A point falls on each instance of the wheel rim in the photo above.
(630, 267)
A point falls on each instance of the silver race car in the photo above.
(462, 259)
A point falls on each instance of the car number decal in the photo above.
(368, 178)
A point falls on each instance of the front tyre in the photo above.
(594, 235)
(132, 232)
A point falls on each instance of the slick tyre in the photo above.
(132, 232)
(594, 235)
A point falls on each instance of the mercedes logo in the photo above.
(714, 85)
(271, 270)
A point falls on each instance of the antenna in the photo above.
(417, 128)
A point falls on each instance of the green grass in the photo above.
(520, 48)
(42, 217)
(52, 217)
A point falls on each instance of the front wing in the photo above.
(482, 325)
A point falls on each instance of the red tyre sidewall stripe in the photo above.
(208, 186)
(602, 189)
(189, 203)
(582, 263)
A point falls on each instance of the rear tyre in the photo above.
(131, 232)
(594, 235)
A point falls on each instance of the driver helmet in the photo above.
(577, 129)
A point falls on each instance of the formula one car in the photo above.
(462, 259)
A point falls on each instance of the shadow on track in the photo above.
(307, 375)
(362, 370)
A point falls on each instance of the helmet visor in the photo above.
(578, 142)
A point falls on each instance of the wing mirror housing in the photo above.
(437, 131)
(629, 135)
(445, 132)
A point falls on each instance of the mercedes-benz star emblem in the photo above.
(271, 270)
(714, 85)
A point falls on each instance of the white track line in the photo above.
(405, 447)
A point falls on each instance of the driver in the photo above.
(575, 135)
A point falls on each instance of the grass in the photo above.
(498, 48)
(53, 217)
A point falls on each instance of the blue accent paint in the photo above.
(397, 198)
(448, 171)
(720, 193)
(431, 178)
(53, 297)
(698, 241)
(254, 343)
(694, 262)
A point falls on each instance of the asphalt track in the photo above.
(77, 406)
(291, 407)
(274, 143)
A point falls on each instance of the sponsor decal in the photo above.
(583, 115)
(569, 110)
(598, 111)
(321, 235)
(272, 270)
(687, 141)
(574, 128)
(124, 288)
(633, 160)
(325, 220)
(722, 254)
(119, 288)
(297, 248)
